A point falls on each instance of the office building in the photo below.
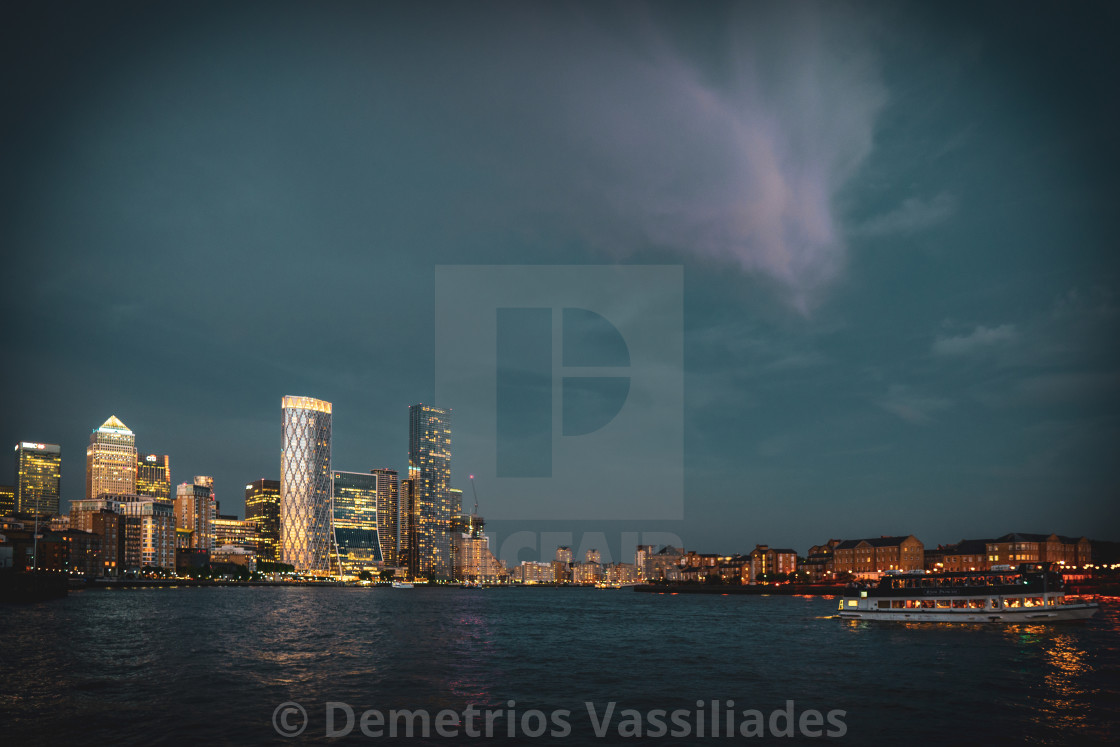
(38, 474)
(7, 500)
(355, 523)
(262, 507)
(153, 476)
(388, 513)
(111, 460)
(429, 467)
(242, 533)
(305, 485)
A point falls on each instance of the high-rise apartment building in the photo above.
(429, 467)
(206, 481)
(153, 476)
(194, 513)
(388, 513)
(38, 474)
(355, 522)
(262, 507)
(153, 523)
(406, 546)
(305, 485)
(111, 460)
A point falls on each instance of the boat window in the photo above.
(898, 604)
(927, 604)
(1032, 602)
(1013, 602)
(852, 603)
(884, 604)
(943, 603)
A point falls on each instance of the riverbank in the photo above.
(756, 590)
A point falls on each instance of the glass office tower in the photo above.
(355, 523)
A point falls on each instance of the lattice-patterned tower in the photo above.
(306, 521)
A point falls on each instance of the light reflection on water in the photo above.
(213, 663)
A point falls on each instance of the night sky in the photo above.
(897, 224)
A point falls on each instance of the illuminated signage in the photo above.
(29, 445)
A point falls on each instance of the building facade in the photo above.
(7, 500)
(305, 485)
(767, 563)
(262, 507)
(388, 513)
(242, 533)
(111, 460)
(406, 546)
(429, 467)
(152, 521)
(1015, 548)
(355, 523)
(38, 476)
(870, 558)
(153, 476)
(194, 513)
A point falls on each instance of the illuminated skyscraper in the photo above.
(262, 506)
(355, 522)
(388, 513)
(153, 476)
(305, 485)
(38, 472)
(429, 467)
(111, 460)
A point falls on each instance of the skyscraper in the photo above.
(429, 467)
(305, 485)
(355, 522)
(153, 476)
(111, 460)
(262, 506)
(38, 472)
(388, 513)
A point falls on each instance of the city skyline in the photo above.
(895, 228)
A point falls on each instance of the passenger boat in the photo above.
(402, 585)
(1031, 592)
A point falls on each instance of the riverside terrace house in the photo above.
(766, 560)
(966, 555)
(1016, 548)
(871, 557)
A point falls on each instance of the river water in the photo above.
(216, 666)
